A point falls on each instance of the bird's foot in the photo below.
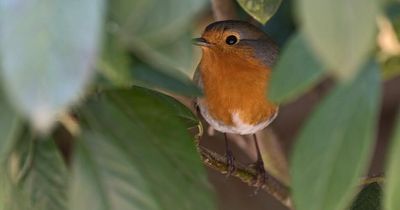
(261, 175)
(230, 162)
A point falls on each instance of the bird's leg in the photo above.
(259, 165)
(230, 160)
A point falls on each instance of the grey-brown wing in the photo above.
(265, 48)
(268, 51)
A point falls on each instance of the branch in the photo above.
(248, 175)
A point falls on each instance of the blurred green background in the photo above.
(96, 112)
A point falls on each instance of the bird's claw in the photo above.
(261, 175)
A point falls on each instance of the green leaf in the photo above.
(136, 154)
(392, 11)
(334, 147)
(116, 65)
(147, 76)
(115, 62)
(295, 72)
(88, 187)
(261, 10)
(11, 197)
(157, 30)
(369, 198)
(47, 179)
(180, 110)
(48, 50)
(4, 190)
(9, 127)
(8, 194)
(391, 67)
(392, 185)
(338, 35)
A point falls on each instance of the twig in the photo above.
(274, 156)
(223, 9)
(248, 175)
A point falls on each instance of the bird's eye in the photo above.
(231, 40)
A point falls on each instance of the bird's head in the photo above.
(236, 39)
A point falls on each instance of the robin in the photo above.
(234, 73)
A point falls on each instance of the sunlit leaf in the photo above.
(48, 50)
(136, 154)
(337, 33)
(333, 149)
(261, 10)
(295, 72)
(392, 185)
(369, 198)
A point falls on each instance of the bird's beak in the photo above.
(201, 42)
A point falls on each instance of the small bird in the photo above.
(234, 73)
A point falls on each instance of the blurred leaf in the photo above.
(392, 11)
(48, 51)
(123, 70)
(369, 198)
(157, 30)
(337, 33)
(334, 147)
(16, 166)
(115, 62)
(178, 53)
(10, 198)
(391, 67)
(136, 154)
(295, 72)
(180, 110)
(4, 190)
(154, 20)
(392, 185)
(47, 179)
(281, 26)
(9, 126)
(146, 76)
(261, 10)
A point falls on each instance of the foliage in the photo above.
(261, 10)
(146, 159)
(392, 190)
(41, 45)
(351, 111)
(304, 70)
(89, 68)
(369, 198)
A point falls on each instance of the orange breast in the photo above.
(236, 86)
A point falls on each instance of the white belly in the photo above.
(239, 126)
